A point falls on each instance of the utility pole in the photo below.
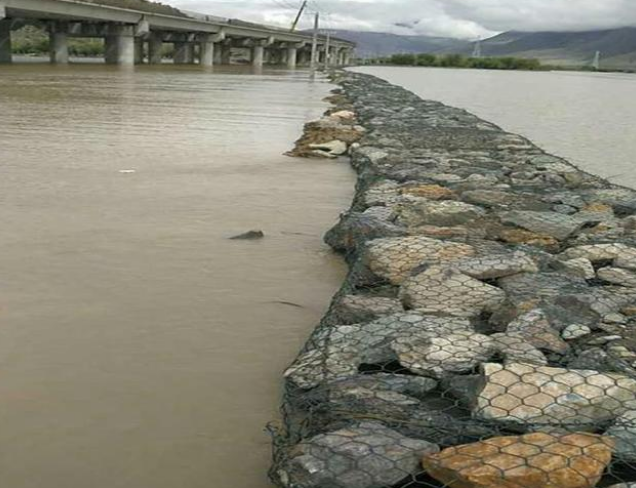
(300, 14)
(327, 51)
(314, 46)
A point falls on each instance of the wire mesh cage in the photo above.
(484, 336)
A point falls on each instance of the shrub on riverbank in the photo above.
(32, 40)
(459, 61)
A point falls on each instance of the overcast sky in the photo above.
(454, 18)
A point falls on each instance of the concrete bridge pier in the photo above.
(269, 56)
(206, 50)
(210, 49)
(183, 53)
(292, 55)
(120, 46)
(58, 43)
(258, 55)
(5, 39)
(155, 45)
(333, 57)
(304, 57)
(226, 51)
(281, 55)
(320, 56)
(339, 57)
(218, 54)
(139, 50)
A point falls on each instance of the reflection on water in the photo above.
(139, 348)
(587, 118)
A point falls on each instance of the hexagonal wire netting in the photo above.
(484, 335)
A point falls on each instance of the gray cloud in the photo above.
(454, 18)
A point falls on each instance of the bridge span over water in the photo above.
(132, 36)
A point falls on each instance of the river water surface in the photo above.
(139, 347)
(587, 118)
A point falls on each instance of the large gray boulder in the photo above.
(535, 327)
(580, 267)
(623, 432)
(393, 259)
(366, 455)
(618, 276)
(553, 224)
(443, 290)
(337, 352)
(516, 348)
(497, 265)
(357, 309)
(437, 356)
(355, 229)
(440, 213)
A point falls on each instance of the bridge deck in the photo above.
(71, 10)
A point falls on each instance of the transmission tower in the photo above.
(596, 64)
(477, 50)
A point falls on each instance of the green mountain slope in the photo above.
(617, 46)
(143, 5)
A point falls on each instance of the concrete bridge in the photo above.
(132, 36)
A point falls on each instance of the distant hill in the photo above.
(376, 44)
(617, 47)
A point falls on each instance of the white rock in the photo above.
(344, 115)
(575, 331)
(335, 147)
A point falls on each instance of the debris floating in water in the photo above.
(251, 235)
(288, 304)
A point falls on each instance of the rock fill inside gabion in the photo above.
(485, 336)
(536, 460)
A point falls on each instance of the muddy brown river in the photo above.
(139, 347)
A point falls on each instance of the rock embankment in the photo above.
(485, 336)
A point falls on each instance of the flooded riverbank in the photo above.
(139, 346)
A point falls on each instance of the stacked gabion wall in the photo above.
(484, 337)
